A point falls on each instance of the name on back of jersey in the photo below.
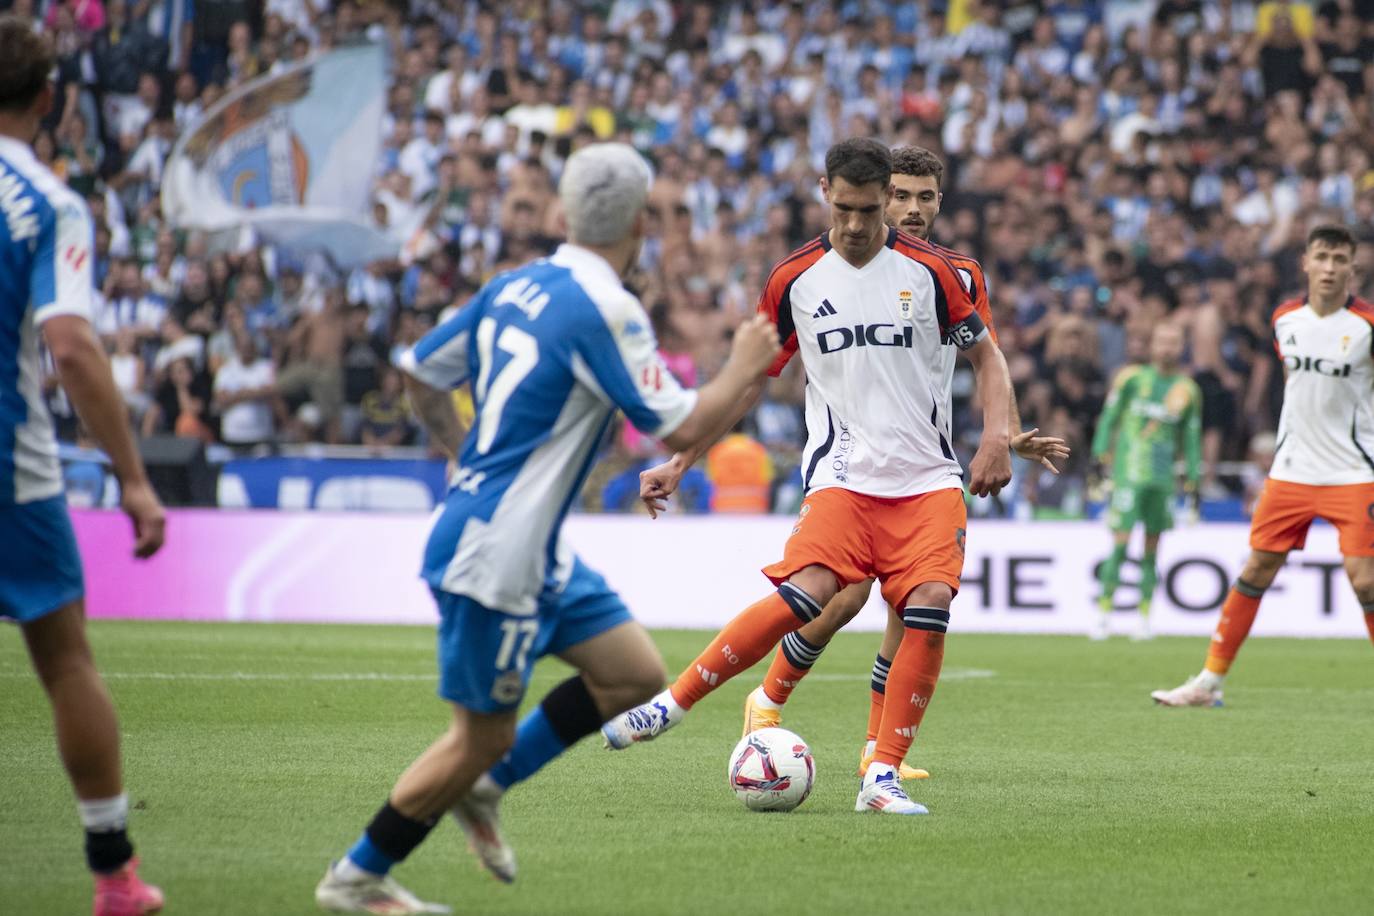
(525, 294)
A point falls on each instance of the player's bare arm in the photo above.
(661, 481)
(721, 403)
(434, 409)
(84, 372)
(1032, 446)
(990, 469)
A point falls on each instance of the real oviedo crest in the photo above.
(904, 304)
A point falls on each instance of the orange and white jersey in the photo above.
(971, 275)
(872, 340)
(1326, 429)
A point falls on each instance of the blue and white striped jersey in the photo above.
(552, 348)
(46, 244)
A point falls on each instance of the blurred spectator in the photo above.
(181, 403)
(741, 475)
(244, 391)
(385, 416)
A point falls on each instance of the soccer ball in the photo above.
(771, 770)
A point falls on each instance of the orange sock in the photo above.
(794, 658)
(876, 695)
(1369, 618)
(744, 641)
(1237, 616)
(915, 670)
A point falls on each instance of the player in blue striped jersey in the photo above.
(45, 291)
(552, 351)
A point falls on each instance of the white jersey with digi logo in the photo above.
(45, 271)
(1326, 429)
(872, 340)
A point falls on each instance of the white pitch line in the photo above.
(953, 674)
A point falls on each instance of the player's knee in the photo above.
(62, 664)
(841, 609)
(1261, 569)
(632, 683)
(931, 594)
(483, 739)
(1363, 583)
(819, 584)
(495, 741)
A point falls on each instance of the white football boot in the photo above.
(1196, 691)
(884, 794)
(1143, 631)
(377, 894)
(1101, 627)
(644, 722)
(479, 814)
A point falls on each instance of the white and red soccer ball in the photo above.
(771, 770)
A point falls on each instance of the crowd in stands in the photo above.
(1112, 164)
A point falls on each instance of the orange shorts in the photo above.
(902, 541)
(1285, 511)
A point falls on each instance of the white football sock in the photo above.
(876, 769)
(347, 870)
(104, 815)
(1210, 679)
(761, 698)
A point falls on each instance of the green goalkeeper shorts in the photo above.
(1149, 506)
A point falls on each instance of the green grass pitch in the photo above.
(255, 753)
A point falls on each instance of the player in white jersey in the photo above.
(869, 309)
(553, 349)
(915, 203)
(46, 239)
(1324, 460)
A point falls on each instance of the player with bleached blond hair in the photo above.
(552, 349)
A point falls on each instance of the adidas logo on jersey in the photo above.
(825, 309)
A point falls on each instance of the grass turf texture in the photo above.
(255, 753)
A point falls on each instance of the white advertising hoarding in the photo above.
(693, 572)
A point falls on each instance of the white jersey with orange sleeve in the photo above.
(872, 339)
(1326, 428)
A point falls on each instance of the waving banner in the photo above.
(292, 155)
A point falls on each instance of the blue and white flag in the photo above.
(291, 155)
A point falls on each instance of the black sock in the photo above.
(108, 850)
(571, 711)
(395, 835)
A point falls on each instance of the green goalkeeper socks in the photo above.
(1110, 575)
(1148, 576)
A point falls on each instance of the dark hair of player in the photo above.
(28, 62)
(918, 162)
(859, 161)
(1333, 234)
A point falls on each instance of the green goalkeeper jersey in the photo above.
(1148, 420)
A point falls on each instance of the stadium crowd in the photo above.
(1113, 165)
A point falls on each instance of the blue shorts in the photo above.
(40, 569)
(486, 656)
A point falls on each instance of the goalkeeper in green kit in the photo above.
(1153, 413)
